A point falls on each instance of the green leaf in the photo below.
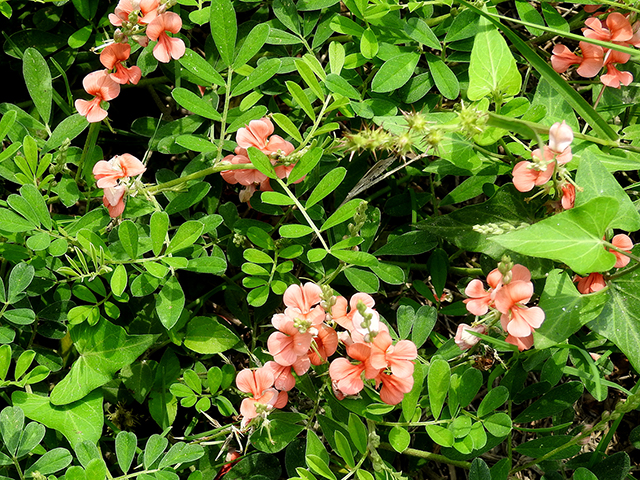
(479, 470)
(471, 383)
(582, 473)
(195, 104)
(261, 74)
(51, 462)
(344, 213)
(426, 318)
(276, 198)
(337, 84)
(395, 72)
(358, 433)
(181, 453)
(158, 227)
(79, 421)
(185, 237)
(542, 446)
(399, 438)
(154, 447)
(288, 126)
(528, 13)
(67, 130)
(104, 349)
(320, 467)
(307, 163)
(30, 438)
(309, 77)
(32, 195)
(440, 435)
(336, 57)
(37, 76)
(301, 99)
(438, 383)
(353, 257)
(261, 162)
(23, 363)
(20, 278)
(573, 237)
(498, 424)
(11, 222)
(224, 29)
(20, 316)
(411, 243)
(326, 185)
(444, 78)
(620, 318)
(201, 68)
(310, 5)
(493, 400)
(6, 122)
(369, 44)
(344, 449)
(391, 274)
(362, 280)
(189, 198)
(566, 308)
(128, 234)
(252, 45)
(294, 231)
(556, 400)
(207, 335)
(283, 432)
(170, 303)
(126, 443)
(11, 424)
(5, 361)
(419, 31)
(492, 69)
(594, 179)
(118, 281)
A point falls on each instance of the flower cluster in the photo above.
(595, 282)
(142, 20)
(618, 30)
(547, 162)
(306, 336)
(258, 134)
(510, 289)
(108, 175)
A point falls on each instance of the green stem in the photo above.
(225, 112)
(316, 124)
(429, 456)
(194, 176)
(89, 145)
(304, 213)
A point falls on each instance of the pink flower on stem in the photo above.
(259, 134)
(623, 242)
(560, 138)
(399, 357)
(112, 57)
(523, 343)
(592, 283)
(302, 298)
(614, 77)
(346, 377)
(113, 199)
(618, 29)
(568, 196)
(167, 47)
(590, 63)
(103, 88)
(146, 10)
(480, 299)
(393, 387)
(465, 340)
(107, 173)
(259, 383)
(516, 319)
(324, 344)
(339, 309)
(527, 175)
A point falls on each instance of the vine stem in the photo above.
(194, 176)
(304, 213)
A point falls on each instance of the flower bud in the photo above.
(560, 137)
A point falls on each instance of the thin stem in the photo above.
(304, 213)
(316, 124)
(89, 145)
(225, 112)
(429, 456)
(194, 176)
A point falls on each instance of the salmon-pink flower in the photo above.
(283, 379)
(113, 199)
(324, 345)
(592, 283)
(479, 299)
(258, 134)
(112, 57)
(560, 138)
(258, 383)
(568, 196)
(614, 77)
(289, 342)
(517, 319)
(167, 47)
(302, 298)
(347, 377)
(399, 357)
(523, 343)
(618, 28)
(103, 88)
(393, 387)
(465, 340)
(589, 64)
(526, 176)
(339, 309)
(623, 242)
(107, 173)
(145, 11)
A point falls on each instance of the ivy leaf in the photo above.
(619, 320)
(573, 237)
(565, 308)
(104, 349)
(78, 421)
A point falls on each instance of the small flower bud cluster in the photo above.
(498, 228)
